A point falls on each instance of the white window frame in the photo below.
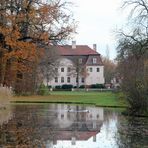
(91, 69)
(98, 69)
(62, 68)
(94, 60)
(68, 79)
(62, 79)
(56, 79)
(82, 79)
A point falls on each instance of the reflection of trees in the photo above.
(110, 117)
(132, 132)
(25, 130)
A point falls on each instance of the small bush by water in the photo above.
(43, 90)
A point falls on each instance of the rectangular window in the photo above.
(62, 79)
(68, 79)
(68, 69)
(91, 69)
(56, 79)
(98, 69)
(80, 61)
(94, 60)
(82, 80)
(62, 69)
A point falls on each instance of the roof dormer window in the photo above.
(94, 60)
(80, 61)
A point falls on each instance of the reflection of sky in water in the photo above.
(104, 139)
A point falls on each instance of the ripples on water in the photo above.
(54, 126)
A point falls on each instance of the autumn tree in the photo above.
(24, 24)
(132, 58)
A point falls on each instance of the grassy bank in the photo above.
(106, 99)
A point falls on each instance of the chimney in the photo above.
(95, 47)
(73, 44)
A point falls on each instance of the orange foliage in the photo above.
(23, 26)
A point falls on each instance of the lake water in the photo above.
(70, 126)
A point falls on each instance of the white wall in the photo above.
(93, 77)
(65, 119)
(64, 63)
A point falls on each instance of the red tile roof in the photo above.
(79, 50)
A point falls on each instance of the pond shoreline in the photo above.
(58, 102)
(125, 113)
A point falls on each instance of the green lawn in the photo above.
(97, 98)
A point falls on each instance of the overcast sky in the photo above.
(97, 21)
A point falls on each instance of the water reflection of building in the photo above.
(77, 122)
(50, 124)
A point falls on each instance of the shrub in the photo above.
(58, 87)
(82, 86)
(100, 86)
(67, 86)
(43, 90)
(49, 86)
(97, 86)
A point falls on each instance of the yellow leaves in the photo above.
(44, 9)
(23, 68)
(23, 50)
(44, 36)
(11, 19)
(25, 3)
(11, 35)
(47, 14)
(41, 52)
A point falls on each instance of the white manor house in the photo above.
(78, 65)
